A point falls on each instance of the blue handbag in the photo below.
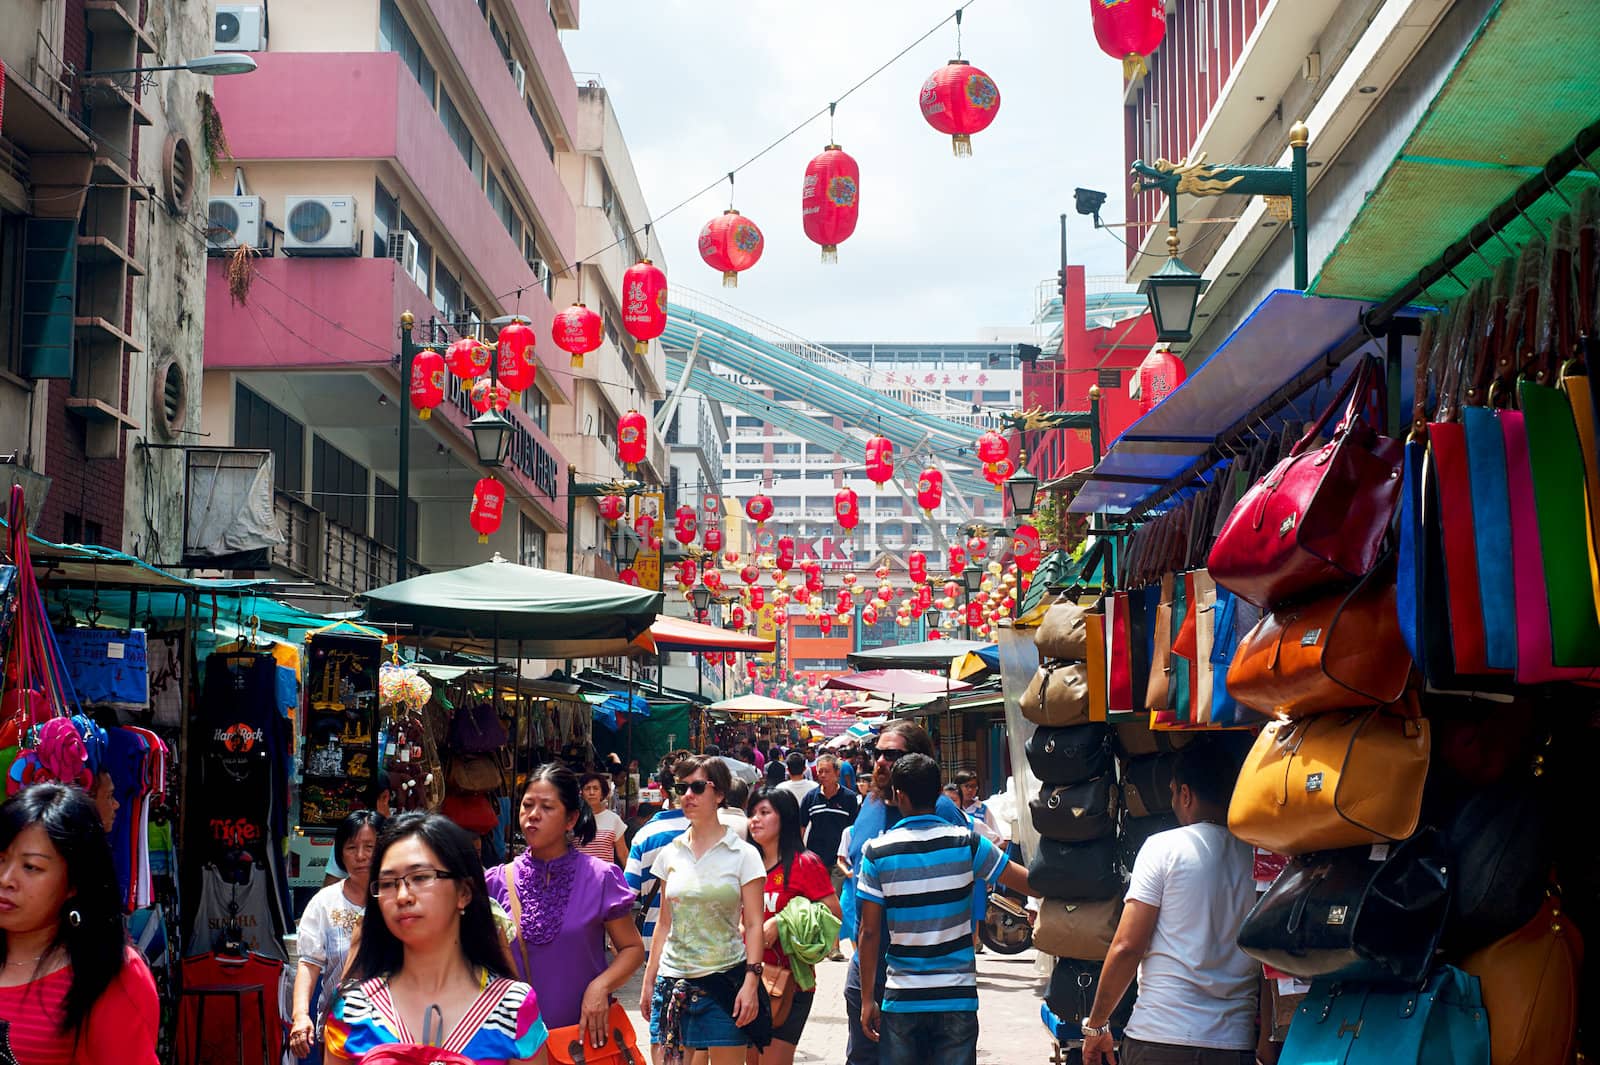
(1224, 642)
(1443, 1023)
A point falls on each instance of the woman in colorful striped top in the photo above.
(429, 943)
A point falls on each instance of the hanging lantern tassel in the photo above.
(1134, 66)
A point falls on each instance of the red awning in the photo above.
(676, 634)
(896, 682)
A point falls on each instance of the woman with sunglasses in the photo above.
(702, 988)
(431, 958)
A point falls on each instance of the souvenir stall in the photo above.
(1377, 586)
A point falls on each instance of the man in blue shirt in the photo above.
(649, 841)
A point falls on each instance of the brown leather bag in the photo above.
(1157, 688)
(1334, 652)
(1063, 633)
(1530, 988)
(1080, 930)
(779, 985)
(1330, 781)
(1058, 695)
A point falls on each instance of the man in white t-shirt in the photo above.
(1190, 891)
(797, 784)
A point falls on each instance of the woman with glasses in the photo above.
(565, 904)
(431, 958)
(332, 915)
(702, 988)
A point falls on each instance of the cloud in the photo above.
(944, 245)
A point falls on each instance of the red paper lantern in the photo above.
(576, 331)
(750, 575)
(684, 525)
(486, 393)
(488, 508)
(467, 358)
(688, 572)
(644, 526)
(632, 432)
(930, 489)
(975, 612)
(846, 508)
(1025, 548)
(611, 507)
(731, 243)
(427, 382)
(712, 578)
(785, 553)
(997, 472)
(1129, 30)
(629, 576)
(644, 304)
(959, 99)
(736, 615)
(992, 447)
(951, 589)
(924, 598)
(869, 615)
(977, 547)
(830, 199)
(825, 624)
(750, 669)
(758, 598)
(516, 366)
(712, 538)
(957, 559)
(814, 580)
(917, 563)
(759, 508)
(1159, 376)
(880, 459)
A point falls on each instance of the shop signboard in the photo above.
(647, 563)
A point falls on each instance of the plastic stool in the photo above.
(237, 993)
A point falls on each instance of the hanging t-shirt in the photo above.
(241, 899)
(219, 1041)
(241, 746)
(808, 878)
(324, 936)
(121, 1029)
(608, 829)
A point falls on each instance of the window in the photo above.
(386, 216)
(76, 530)
(748, 423)
(11, 227)
(259, 424)
(612, 330)
(997, 395)
(748, 449)
(500, 200)
(499, 36)
(530, 542)
(536, 405)
(456, 126)
(386, 515)
(786, 449)
(395, 36)
(424, 250)
(544, 134)
(447, 295)
(338, 486)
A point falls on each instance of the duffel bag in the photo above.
(1075, 813)
(1362, 914)
(1058, 695)
(1147, 785)
(1072, 988)
(1070, 755)
(1076, 870)
(1135, 739)
(1499, 843)
(1134, 831)
(1530, 988)
(1079, 930)
(1443, 1023)
(1331, 781)
(1063, 633)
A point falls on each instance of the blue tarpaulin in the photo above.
(618, 703)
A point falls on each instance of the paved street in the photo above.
(1009, 1032)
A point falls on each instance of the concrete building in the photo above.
(421, 173)
(103, 188)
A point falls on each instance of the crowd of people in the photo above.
(729, 899)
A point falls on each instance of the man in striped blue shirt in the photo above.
(650, 840)
(920, 876)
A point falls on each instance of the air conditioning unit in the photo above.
(240, 28)
(404, 250)
(320, 225)
(232, 221)
(519, 74)
(474, 325)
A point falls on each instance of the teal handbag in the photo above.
(1444, 1023)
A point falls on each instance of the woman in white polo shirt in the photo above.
(702, 988)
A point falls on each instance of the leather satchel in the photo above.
(1159, 678)
(1079, 930)
(1072, 988)
(1135, 739)
(1330, 781)
(570, 1046)
(780, 987)
(1530, 988)
(1070, 755)
(1369, 914)
(1075, 813)
(1058, 695)
(1095, 659)
(1063, 633)
(475, 773)
(1076, 870)
(1334, 652)
(1499, 842)
(1441, 1023)
(1147, 785)
(1319, 516)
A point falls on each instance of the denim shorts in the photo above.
(705, 1024)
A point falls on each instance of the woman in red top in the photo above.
(72, 991)
(792, 872)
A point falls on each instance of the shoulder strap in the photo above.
(521, 945)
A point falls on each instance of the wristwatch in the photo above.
(1089, 1030)
(754, 967)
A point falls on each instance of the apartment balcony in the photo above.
(324, 551)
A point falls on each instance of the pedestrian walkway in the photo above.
(1009, 1031)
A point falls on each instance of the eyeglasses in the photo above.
(421, 880)
(699, 787)
(890, 754)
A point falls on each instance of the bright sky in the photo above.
(944, 246)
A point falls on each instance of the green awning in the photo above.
(1521, 92)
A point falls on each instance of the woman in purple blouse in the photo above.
(568, 903)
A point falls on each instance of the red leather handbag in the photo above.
(1119, 652)
(1318, 517)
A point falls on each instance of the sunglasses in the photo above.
(699, 787)
(889, 754)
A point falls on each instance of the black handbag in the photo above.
(1367, 914)
(1147, 785)
(1072, 988)
(1074, 813)
(1070, 755)
(1134, 831)
(1499, 846)
(1076, 870)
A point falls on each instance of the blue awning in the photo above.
(1283, 338)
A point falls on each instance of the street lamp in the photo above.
(1174, 294)
(491, 437)
(700, 596)
(1021, 489)
(218, 65)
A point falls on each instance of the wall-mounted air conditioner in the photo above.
(403, 249)
(519, 74)
(232, 221)
(320, 225)
(240, 28)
